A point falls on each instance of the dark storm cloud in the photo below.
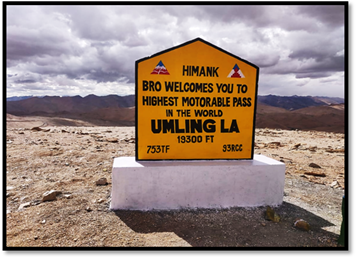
(254, 14)
(31, 38)
(26, 81)
(311, 68)
(262, 16)
(86, 47)
(310, 53)
(321, 56)
(313, 75)
(332, 64)
(330, 15)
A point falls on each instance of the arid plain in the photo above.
(44, 154)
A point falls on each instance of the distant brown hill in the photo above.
(322, 114)
(100, 110)
(301, 112)
(67, 105)
(320, 118)
(111, 116)
(298, 102)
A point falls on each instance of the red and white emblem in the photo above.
(236, 73)
(160, 69)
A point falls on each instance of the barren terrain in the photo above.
(71, 156)
(288, 113)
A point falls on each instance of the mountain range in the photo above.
(284, 112)
(298, 102)
(18, 98)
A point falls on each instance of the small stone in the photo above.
(112, 140)
(24, 205)
(314, 165)
(24, 199)
(43, 222)
(100, 201)
(313, 148)
(50, 195)
(334, 184)
(36, 202)
(68, 196)
(275, 143)
(315, 174)
(302, 224)
(101, 181)
(36, 129)
(88, 209)
(10, 194)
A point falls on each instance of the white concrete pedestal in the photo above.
(163, 185)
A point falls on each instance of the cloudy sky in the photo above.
(81, 50)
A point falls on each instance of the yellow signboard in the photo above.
(195, 101)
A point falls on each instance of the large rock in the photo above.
(50, 195)
(101, 181)
(112, 140)
(314, 165)
(302, 225)
(39, 129)
(24, 205)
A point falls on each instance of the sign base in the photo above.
(168, 185)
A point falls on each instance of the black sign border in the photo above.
(176, 47)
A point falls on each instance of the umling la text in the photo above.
(192, 126)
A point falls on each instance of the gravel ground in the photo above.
(71, 160)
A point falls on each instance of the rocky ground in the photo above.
(73, 165)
